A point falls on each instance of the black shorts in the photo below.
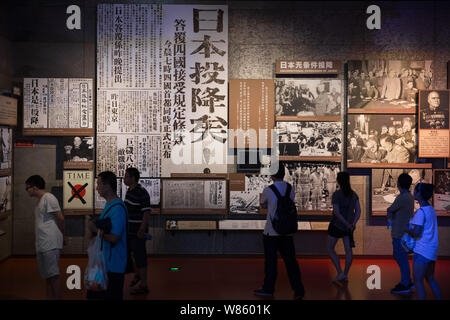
(139, 252)
(336, 232)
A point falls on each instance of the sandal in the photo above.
(139, 290)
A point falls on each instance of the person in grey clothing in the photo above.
(399, 214)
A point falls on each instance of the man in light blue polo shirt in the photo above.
(114, 241)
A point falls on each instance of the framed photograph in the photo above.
(382, 141)
(434, 133)
(301, 139)
(384, 186)
(386, 86)
(248, 200)
(5, 148)
(309, 99)
(78, 152)
(441, 196)
(314, 185)
(5, 194)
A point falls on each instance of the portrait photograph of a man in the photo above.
(434, 109)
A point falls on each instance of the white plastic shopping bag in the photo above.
(95, 276)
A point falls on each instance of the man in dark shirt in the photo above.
(137, 201)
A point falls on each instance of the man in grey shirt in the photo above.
(399, 213)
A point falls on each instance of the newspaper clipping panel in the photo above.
(194, 194)
(58, 103)
(434, 133)
(162, 71)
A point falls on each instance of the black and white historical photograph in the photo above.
(442, 190)
(308, 97)
(242, 202)
(304, 138)
(314, 184)
(381, 139)
(381, 84)
(5, 193)
(5, 147)
(384, 185)
(434, 109)
(78, 149)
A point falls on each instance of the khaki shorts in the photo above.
(48, 263)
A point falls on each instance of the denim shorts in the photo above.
(418, 258)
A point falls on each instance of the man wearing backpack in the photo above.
(281, 241)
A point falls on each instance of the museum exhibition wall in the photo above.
(204, 98)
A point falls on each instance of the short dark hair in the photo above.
(425, 190)
(36, 181)
(343, 178)
(109, 178)
(404, 181)
(280, 172)
(134, 173)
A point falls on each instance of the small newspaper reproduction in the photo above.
(194, 194)
(58, 103)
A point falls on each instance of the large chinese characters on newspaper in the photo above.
(162, 74)
(195, 76)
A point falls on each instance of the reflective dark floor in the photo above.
(217, 278)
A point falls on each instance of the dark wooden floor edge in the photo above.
(234, 256)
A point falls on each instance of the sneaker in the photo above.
(262, 293)
(411, 286)
(400, 288)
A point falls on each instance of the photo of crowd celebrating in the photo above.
(381, 139)
(304, 138)
(308, 97)
(387, 83)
